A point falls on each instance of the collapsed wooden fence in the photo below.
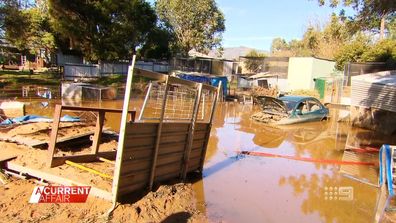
(164, 147)
(168, 140)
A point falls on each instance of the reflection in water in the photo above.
(257, 189)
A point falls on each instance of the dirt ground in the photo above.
(169, 203)
(173, 203)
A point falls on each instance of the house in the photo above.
(206, 65)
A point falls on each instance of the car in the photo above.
(290, 110)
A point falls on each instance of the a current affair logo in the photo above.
(60, 194)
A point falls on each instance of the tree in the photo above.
(370, 14)
(254, 61)
(196, 24)
(352, 51)
(279, 44)
(103, 30)
(26, 26)
(318, 40)
(157, 45)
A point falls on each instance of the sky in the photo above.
(255, 23)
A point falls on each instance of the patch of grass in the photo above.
(118, 80)
(113, 80)
(15, 78)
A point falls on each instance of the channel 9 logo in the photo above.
(338, 193)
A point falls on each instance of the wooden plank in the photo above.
(135, 178)
(173, 138)
(199, 135)
(56, 179)
(201, 126)
(38, 143)
(139, 142)
(98, 132)
(159, 132)
(172, 148)
(84, 158)
(135, 166)
(6, 157)
(168, 169)
(138, 154)
(198, 144)
(131, 188)
(170, 158)
(95, 109)
(121, 138)
(146, 98)
(175, 127)
(195, 153)
(22, 140)
(54, 135)
(137, 128)
(150, 74)
(176, 80)
(169, 176)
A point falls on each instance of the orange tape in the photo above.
(306, 159)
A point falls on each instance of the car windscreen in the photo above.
(290, 105)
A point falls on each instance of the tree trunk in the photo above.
(382, 28)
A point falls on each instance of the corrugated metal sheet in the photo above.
(376, 90)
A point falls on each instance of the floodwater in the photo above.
(267, 189)
(262, 189)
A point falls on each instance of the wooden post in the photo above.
(145, 101)
(121, 137)
(191, 133)
(54, 134)
(159, 131)
(210, 127)
(98, 132)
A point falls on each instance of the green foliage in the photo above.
(196, 24)
(157, 45)
(317, 41)
(279, 44)
(382, 51)
(361, 50)
(254, 61)
(105, 29)
(27, 28)
(391, 27)
(369, 14)
(352, 52)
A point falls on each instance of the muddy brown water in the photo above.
(263, 189)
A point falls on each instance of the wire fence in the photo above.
(179, 103)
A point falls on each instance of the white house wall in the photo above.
(302, 71)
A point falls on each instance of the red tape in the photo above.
(306, 159)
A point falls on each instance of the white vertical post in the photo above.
(121, 137)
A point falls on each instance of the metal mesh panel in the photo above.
(179, 105)
(206, 105)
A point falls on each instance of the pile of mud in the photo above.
(266, 118)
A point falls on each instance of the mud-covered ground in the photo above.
(169, 203)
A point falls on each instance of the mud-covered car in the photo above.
(289, 110)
